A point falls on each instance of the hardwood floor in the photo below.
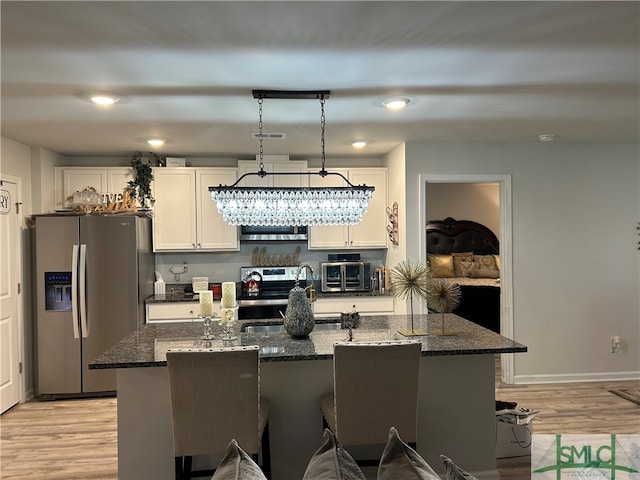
(77, 439)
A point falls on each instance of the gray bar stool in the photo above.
(215, 397)
(375, 387)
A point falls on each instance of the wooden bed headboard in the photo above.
(457, 236)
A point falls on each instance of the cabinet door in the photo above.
(105, 180)
(299, 180)
(176, 312)
(371, 232)
(118, 179)
(365, 305)
(328, 236)
(174, 211)
(77, 179)
(213, 233)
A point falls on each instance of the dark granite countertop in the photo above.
(147, 346)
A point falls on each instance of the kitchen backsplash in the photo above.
(225, 266)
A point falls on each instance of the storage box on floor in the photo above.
(514, 431)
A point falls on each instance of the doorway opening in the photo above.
(503, 230)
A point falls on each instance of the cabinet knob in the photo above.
(193, 245)
(199, 245)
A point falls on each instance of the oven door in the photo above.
(262, 308)
(353, 277)
(331, 274)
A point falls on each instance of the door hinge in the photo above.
(20, 367)
(19, 288)
(18, 207)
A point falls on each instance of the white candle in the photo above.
(228, 294)
(206, 303)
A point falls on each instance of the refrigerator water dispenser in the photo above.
(57, 290)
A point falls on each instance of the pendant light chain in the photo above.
(260, 125)
(323, 172)
(291, 206)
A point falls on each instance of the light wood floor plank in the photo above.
(77, 439)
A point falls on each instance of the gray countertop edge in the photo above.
(307, 358)
(139, 349)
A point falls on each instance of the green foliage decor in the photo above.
(140, 186)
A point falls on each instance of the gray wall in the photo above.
(575, 209)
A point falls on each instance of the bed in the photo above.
(468, 253)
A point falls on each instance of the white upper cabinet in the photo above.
(69, 180)
(371, 231)
(213, 233)
(185, 217)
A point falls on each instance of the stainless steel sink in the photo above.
(277, 328)
(264, 328)
(328, 326)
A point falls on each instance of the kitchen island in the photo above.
(456, 395)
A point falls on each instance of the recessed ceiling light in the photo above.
(397, 103)
(104, 98)
(359, 144)
(156, 142)
(547, 137)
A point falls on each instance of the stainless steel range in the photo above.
(264, 291)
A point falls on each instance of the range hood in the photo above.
(275, 233)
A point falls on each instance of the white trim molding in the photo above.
(506, 247)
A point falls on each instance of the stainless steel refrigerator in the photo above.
(92, 275)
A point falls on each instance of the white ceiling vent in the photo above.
(276, 136)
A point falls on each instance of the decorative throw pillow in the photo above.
(454, 472)
(332, 462)
(463, 269)
(463, 257)
(487, 262)
(237, 465)
(479, 272)
(441, 265)
(400, 461)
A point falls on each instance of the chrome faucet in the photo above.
(311, 287)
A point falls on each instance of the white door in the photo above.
(9, 281)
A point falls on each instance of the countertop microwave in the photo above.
(267, 233)
(345, 276)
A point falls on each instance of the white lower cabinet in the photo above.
(334, 306)
(176, 311)
(371, 232)
(185, 218)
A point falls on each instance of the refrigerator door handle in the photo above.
(74, 290)
(83, 291)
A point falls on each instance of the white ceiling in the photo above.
(474, 71)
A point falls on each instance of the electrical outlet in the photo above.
(179, 270)
(616, 344)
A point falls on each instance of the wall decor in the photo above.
(392, 228)
(259, 258)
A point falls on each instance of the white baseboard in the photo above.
(577, 377)
(29, 394)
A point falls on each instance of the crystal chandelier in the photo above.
(270, 206)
